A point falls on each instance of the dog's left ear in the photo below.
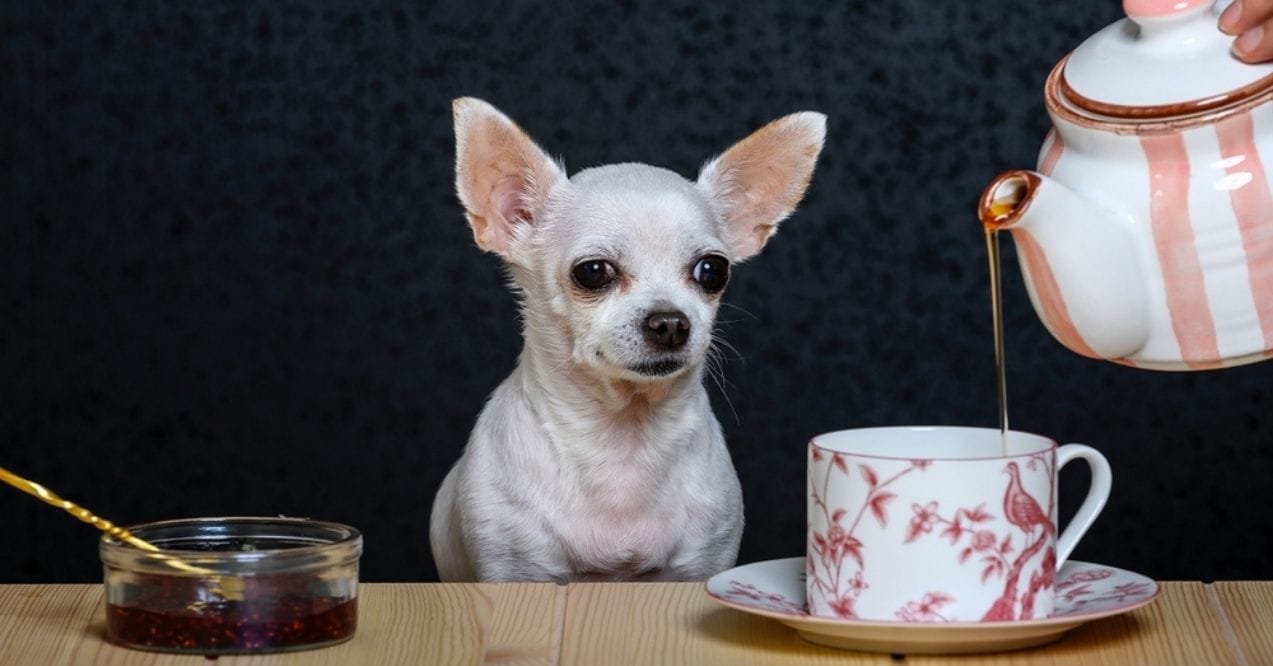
(757, 183)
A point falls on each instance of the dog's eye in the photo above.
(593, 274)
(711, 273)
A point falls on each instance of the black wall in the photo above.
(235, 279)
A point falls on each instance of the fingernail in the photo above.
(1249, 40)
(1229, 17)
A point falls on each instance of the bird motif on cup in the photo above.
(1019, 508)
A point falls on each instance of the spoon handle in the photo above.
(46, 495)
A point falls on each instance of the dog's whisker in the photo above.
(564, 362)
(716, 363)
(715, 367)
(717, 375)
(744, 311)
(720, 345)
(720, 382)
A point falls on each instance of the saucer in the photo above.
(1084, 592)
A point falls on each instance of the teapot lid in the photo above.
(1167, 58)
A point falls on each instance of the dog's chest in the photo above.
(626, 526)
(618, 544)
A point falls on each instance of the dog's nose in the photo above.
(668, 330)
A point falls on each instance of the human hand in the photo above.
(1252, 22)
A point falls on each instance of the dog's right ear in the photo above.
(502, 177)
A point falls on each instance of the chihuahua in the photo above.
(599, 457)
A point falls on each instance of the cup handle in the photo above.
(1097, 494)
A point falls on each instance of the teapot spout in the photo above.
(1007, 199)
(1079, 262)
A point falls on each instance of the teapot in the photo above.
(1145, 236)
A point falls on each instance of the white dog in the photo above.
(599, 457)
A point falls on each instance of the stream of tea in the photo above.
(996, 306)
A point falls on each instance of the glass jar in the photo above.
(233, 585)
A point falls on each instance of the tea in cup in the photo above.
(940, 524)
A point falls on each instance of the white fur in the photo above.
(581, 465)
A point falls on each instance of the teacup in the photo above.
(940, 524)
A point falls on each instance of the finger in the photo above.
(1243, 15)
(1255, 44)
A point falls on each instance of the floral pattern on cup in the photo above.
(1005, 546)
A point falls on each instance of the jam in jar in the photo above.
(233, 585)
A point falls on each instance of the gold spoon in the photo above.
(32, 488)
(230, 588)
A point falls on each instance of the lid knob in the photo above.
(1158, 17)
(1153, 11)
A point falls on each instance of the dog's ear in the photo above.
(757, 183)
(501, 176)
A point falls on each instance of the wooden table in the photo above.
(605, 624)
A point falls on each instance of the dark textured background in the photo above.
(235, 279)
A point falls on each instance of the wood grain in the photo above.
(1179, 627)
(48, 624)
(1248, 607)
(604, 624)
(448, 623)
(397, 624)
(677, 623)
